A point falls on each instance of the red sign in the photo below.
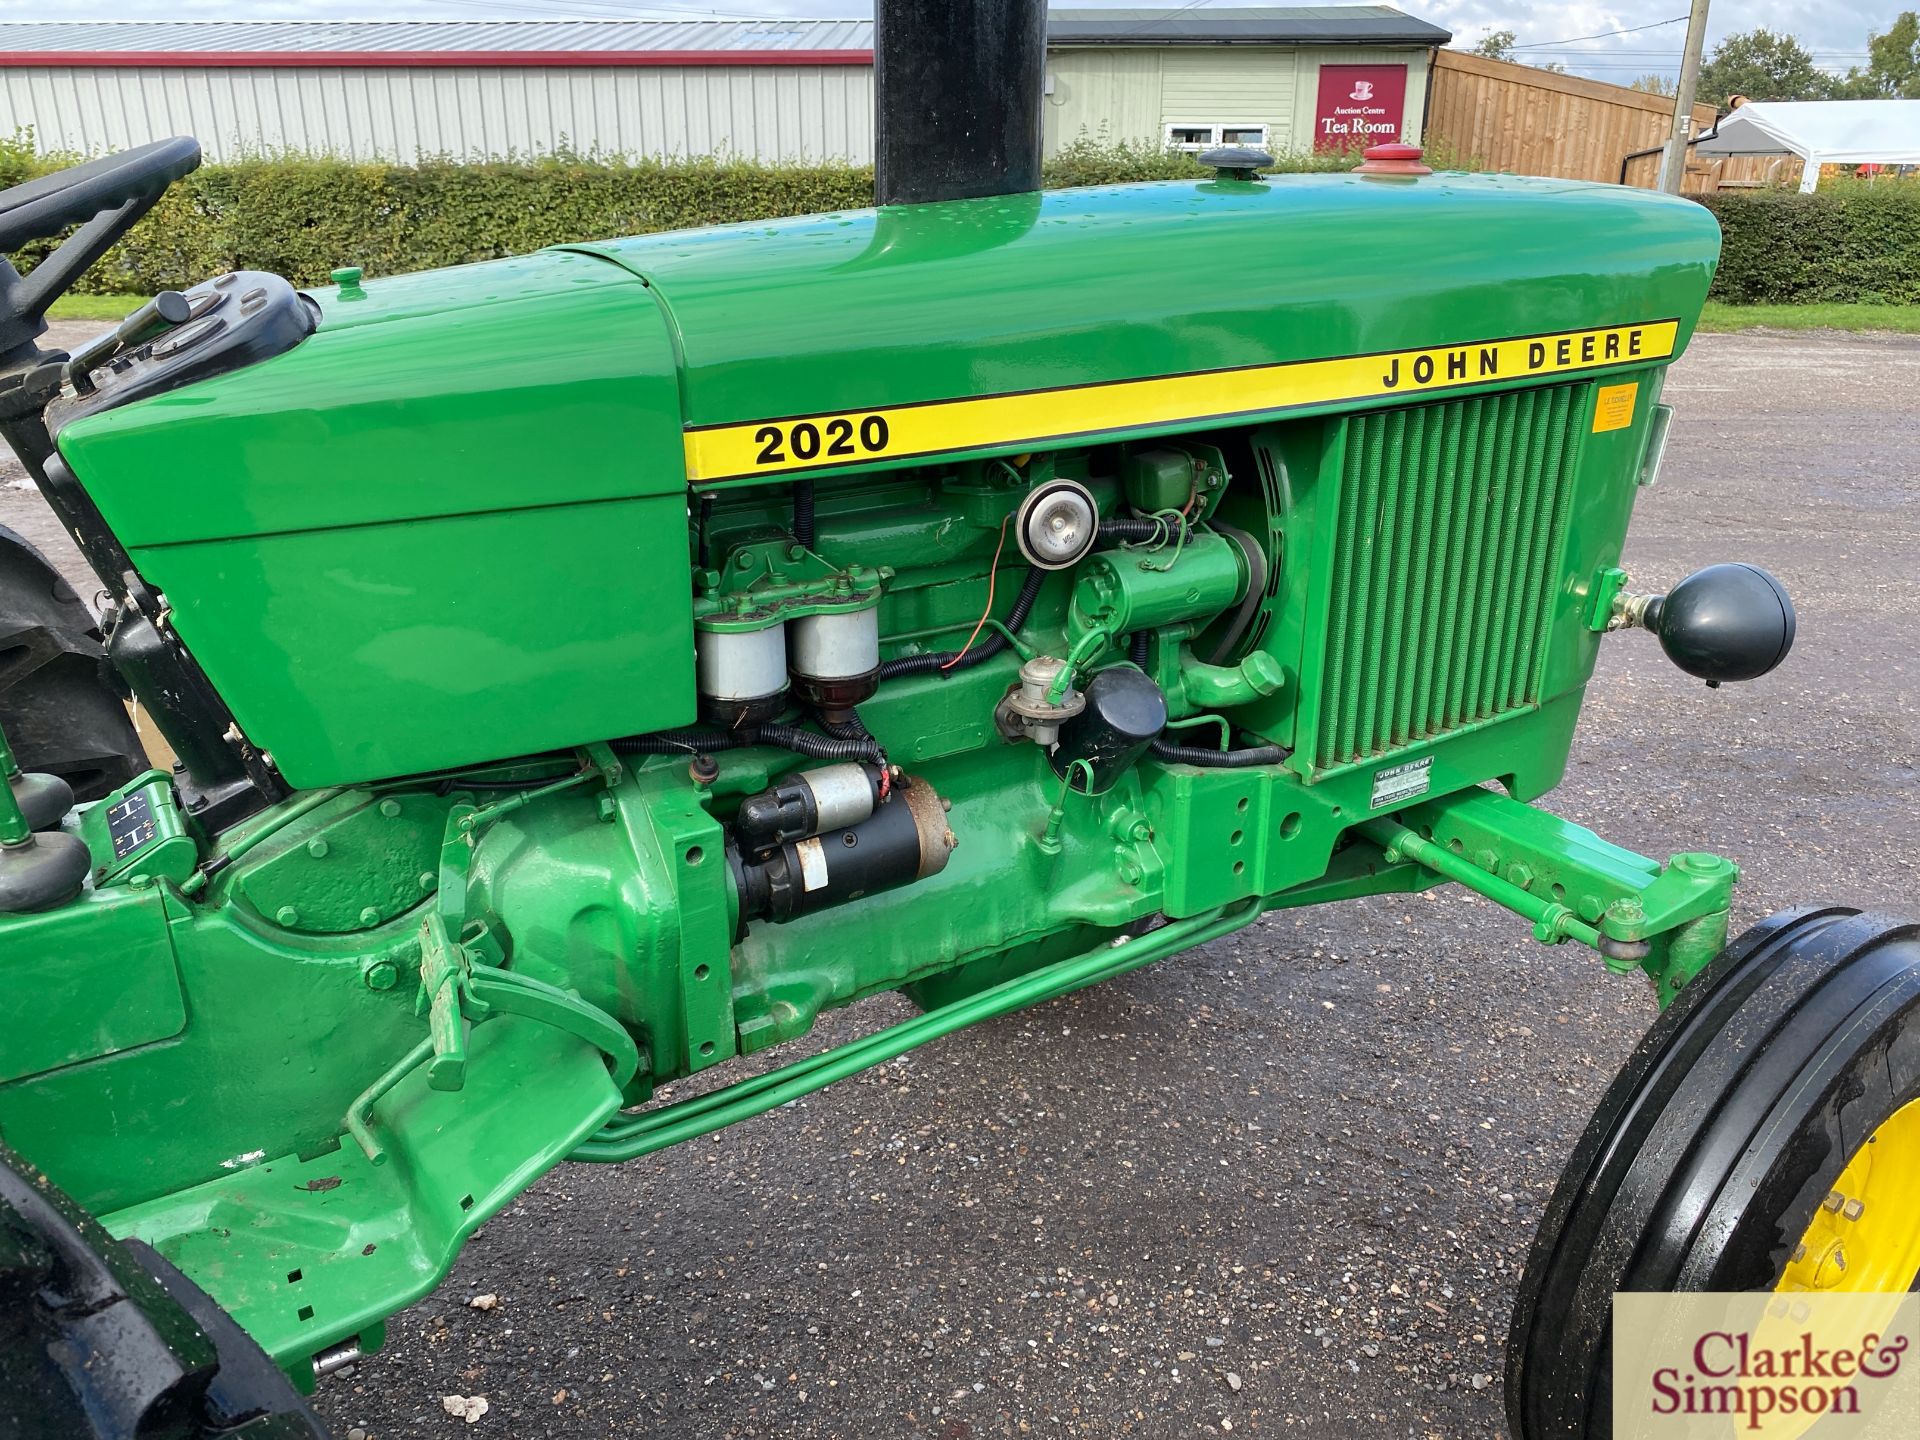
(1359, 105)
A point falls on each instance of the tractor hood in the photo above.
(453, 482)
(905, 305)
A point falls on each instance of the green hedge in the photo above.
(302, 216)
(1847, 243)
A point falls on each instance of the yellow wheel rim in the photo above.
(1866, 1234)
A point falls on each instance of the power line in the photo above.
(1164, 19)
(1608, 35)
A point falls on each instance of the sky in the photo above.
(1835, 30)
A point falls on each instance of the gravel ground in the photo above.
(1278, 1185)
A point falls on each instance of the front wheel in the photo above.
(1765, 1135)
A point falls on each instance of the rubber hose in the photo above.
(1217, 759)
(852, 728)
(945, 661)
(704, 554)
(1130, 528)
(803, 525)
(682, 742)
(820, 747)
(783, 737)
(1137, 649)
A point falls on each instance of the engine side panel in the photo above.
(431, 534)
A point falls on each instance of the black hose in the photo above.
(682, 742)
(803, 527)
(1137, 648)
(1134, 528)
(783, 737)
(448, 786)
(703, 553)
(1217, 759)
(945, 661)
(820, 747)
(852, 728)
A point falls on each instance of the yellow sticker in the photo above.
(1613, 407)
(1036, 418)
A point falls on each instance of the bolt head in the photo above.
(317, 847)
(287, 915)
(381, 975)
(390, 807)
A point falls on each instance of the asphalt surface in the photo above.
(1278, 1185)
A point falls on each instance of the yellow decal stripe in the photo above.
(815, 442)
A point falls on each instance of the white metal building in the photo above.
(762, 89)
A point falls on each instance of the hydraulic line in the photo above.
(945, 661)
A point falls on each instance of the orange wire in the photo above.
(993, 573)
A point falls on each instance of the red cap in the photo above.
(1392, 160)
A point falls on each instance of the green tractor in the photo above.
(587, 668)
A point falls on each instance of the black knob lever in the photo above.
(152, 320)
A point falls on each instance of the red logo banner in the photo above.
(1359, 105)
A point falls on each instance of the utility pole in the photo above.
(1674, 166)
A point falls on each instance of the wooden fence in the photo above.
(1538, 122)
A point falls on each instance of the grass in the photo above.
(1901, 319)
(95, 307)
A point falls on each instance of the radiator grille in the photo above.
(1451, 522)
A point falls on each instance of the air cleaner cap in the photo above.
(1237, 162)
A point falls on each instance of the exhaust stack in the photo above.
(957, 95)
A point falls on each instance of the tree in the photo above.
(1495, 45)
(1762, 66)
(1654, 85)
(1893, 63)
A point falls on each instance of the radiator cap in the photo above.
(1392, 159)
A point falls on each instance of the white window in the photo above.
(1182, 136)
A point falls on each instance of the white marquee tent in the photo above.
(1821, 132)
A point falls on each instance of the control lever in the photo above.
(152, 320)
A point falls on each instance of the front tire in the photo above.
(1791, 1062)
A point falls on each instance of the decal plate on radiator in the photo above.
(1397, 784)
(1036, 419)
